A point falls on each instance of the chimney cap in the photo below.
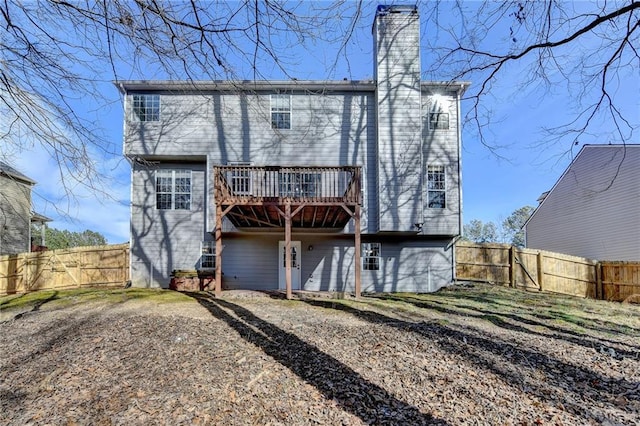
(400, 8)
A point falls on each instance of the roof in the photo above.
(543, 197)
(255, 85)
(37, 217)
(9, 171)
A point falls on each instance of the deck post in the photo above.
(218, 237)
(287, 250)
(357, 261)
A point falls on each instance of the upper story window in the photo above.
(146, 107)
(280, 111)
(371, 256)
(438, 120)
(436, 187)
(173, 189)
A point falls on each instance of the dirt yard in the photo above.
(468, 355)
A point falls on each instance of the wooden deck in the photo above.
(311, 198)
(256, 196)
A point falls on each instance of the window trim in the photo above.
(438, 122)
(443, 190)
(274, 109)
(173, 174)
(146, 111)
(370, 262)
(210, 255)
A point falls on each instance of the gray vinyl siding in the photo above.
(407, 264)
(15, 216)
(440, 147)
(334, 129)
(398, 100)
(330, 129)
(593, 210)
(381, 126)
(164, 240)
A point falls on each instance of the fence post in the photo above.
(540, 271)
(512, 267)
(599, 288)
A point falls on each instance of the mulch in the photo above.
(258, 360)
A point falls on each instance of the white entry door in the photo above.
(295, 265)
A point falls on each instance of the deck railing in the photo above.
(246, 184)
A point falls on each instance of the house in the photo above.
(593, 210)
(16, 215)
(314, 185)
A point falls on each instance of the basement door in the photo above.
(295, 265)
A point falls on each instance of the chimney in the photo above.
(396, 37)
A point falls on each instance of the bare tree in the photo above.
(57, 58)
(582, 49)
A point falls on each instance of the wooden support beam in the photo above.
(287, 250)
(326, 215)
(218, 238)
(262, 222)
(358, 261)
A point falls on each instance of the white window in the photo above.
(173, 189)
(371, 256)
(208, 259)
(281, 111)
(436, 187)
(146, 107)
(438, 120)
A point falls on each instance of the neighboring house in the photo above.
(358, 181)
(593, 210)
(16, 215)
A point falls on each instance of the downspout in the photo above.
(459, 135)
(132, 163)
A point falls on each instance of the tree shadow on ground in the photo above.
(497, 300)
(536, 373)
(335, 380)
(498, 319)
(38, 305)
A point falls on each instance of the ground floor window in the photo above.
(208, 259)
(371, 256)
(173, 189)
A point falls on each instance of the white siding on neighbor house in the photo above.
(399, 122)
(411, 264)
(593, 210)
(164, 240)
(15, 216)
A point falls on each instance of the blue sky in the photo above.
(494, 185)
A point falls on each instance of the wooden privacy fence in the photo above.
(547, 271)
(95, 266)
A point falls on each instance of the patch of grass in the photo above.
(510, 307)
(66, 297)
